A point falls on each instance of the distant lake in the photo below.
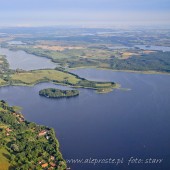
(25, 61)
(119, 47)
(143, 47)
(16, 43)
(152, 47)
(118, 124)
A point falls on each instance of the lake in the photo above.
(25, 61)
(143, 47)
(120, 124)
(16, 43)
(153, 47)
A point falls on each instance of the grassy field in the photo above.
(58, 77)
(2, 126)
(2, 82)
(40, 75)
(4, 162)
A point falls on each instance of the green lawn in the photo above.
(2, 82)
(60, 77)
(40, 75)
(4, 162)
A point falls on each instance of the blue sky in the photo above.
(83, 12)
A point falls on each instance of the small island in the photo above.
(57, 93)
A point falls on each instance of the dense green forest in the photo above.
(159, 61)
(57, 93)
(28, 145)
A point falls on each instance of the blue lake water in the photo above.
(16, 43)
(25, 61)
(143, 47)
(120, 124)
(152, 47)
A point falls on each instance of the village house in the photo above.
(44, 165)
(40, 162)
(42, 133)
(7, 134)
(21, 119)
(8, 130)
(52, 164)
(52, 158)
(14, 114)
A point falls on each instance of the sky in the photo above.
(84, 12)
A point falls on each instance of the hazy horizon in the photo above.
(29, 13)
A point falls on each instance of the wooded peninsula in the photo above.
(57, 76)
(26, 145)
